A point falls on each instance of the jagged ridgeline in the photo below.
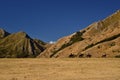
(100, 39)
(19, 45)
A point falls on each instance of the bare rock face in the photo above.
(19, 45)
(100, 39)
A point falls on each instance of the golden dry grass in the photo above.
(60, 69)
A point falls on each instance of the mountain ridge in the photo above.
(19, 45)
(102, 33)
(99, 39)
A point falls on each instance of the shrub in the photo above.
(112, 44)
(89, 46)
(75, 38)
(99, 47)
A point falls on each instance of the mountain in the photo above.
(100, 39)
(19, 45)
(3, 33)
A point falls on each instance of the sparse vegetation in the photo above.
(99, 47)
(108, 39)
(75, 38)
(89, 46)
(112, 44)
(104, 40)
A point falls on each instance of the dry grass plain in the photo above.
(60, 69)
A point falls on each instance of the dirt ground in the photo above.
(60, 69)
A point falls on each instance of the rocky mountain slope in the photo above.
(100, 39)
(19, 45)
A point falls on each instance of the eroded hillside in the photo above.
(19, 45)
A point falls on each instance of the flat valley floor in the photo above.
(60, 69)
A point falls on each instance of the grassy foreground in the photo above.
(60, 69)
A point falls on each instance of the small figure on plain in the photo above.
(81, 55)
(72, 55)
(88, 55)
(104, 56)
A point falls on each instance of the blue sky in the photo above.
(49, 20)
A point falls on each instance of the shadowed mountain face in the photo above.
(100, 39)
(3, 33)
(18, 45)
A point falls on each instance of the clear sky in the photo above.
(49, 20)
